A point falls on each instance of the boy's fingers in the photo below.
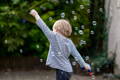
(33, 12)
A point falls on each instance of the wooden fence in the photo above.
(16, 63)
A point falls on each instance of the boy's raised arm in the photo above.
(42, 24)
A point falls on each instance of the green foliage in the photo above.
(20, 36)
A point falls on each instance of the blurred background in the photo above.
(23, 46)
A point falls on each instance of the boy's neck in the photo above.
(58, 33)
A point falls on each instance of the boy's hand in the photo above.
(87, 66)
(33, 12)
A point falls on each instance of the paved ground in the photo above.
(37, 75)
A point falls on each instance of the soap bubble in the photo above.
(92, 63)
(87, 58)
(75, 18)
(52, 53)
(76, 28)
(81, 6)
(50, 18)
(74, 63)
(92, 32)
(98, 69)
(43, 8)
(37, 46)
(59, 54)
(21, 51)
(82, 27)
(81, 32)
(75, 33)
(94, 23)
(62, 15)
(82, 42)
(66, 1)
(101, 9)
(73, 12)
(93, 77)
(71, 1)
(88, 10)
(2, 26)
(6, 41)
(76, 58)
(41, 60)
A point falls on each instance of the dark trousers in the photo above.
(62, 75)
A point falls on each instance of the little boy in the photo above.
(60, 47)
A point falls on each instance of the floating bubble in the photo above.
(41, 60)
(52, 53)
(76, 58)
(92, 63)
(92, 32)
(94, 23)
(101, 9)
(82, 42)
(74, 63)
(71, 1)
(81, 32)
(6, 41)
(67, 2)
(43, 8)
(50, 18)
(59, 54)
(76, 28)
(62, 15)
(75, 18)
(82, 27)
(88, 10)
(73, 12)
(2, 26)
(87, 58)
(98, 69)
(21, 51)
(88, 4)
(93, 77)
(75, 33)
(81, 6)
(37, 46)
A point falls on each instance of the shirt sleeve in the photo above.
(74, 52)
(49, 34)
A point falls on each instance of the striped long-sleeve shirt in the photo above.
(60, 49)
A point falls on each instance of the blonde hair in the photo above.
(63, 27)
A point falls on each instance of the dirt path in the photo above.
(37, 75)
